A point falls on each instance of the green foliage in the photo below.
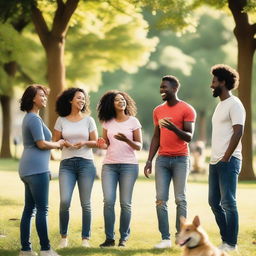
(105, 40)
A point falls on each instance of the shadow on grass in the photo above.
(8, 252)
(112, 251)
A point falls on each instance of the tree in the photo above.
(11, 47)
(52, 31)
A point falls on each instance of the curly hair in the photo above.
(106, 109)
(26, 101)
(63, 105)
(226, 73)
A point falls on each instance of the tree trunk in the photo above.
(10, 68)
(245, 65)
(5, 104)
(56, 76)
(245, 35)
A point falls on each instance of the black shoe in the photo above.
(121, 243)
(108, 243)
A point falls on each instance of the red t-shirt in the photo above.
(170, 143)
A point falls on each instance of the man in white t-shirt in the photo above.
(225, 164)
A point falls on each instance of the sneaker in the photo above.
(166, 243)
(121, 243)
(226, 247)
(27, 253)
(85, 243)
(50, 252)
(63, 243)
(108, 243)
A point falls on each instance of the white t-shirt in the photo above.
(119, 152)
(227, 113)
(75, 132)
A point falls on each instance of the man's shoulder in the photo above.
(160, 107)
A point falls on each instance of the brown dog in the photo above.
(195, 240)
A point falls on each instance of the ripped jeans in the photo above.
(169, 169)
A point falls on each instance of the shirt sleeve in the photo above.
(190, 115)
(58, 125)
(136, 124)
(36, 128)
(92, 125)
(237, 114)
(155, 119)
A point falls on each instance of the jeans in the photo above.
(83, 172)
(169, 168)
(36, 203)
(125, 175)
(223, 178)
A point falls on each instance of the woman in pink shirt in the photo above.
(121, 137)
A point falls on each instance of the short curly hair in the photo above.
(63, 105)
(106, 109)
(26, 101)
(226, 73)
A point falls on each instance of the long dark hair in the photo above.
(106, 109)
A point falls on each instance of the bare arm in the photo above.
(44, 145)
(237, 135)
(154, 145)
(185, 134)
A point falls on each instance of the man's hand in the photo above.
(148, 168)
(167, 123)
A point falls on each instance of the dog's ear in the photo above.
(196, 221)
(182, 220)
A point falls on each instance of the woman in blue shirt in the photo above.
(34, 170)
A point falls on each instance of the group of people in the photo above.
(75, 133)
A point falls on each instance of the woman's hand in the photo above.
(101, 143)
(121, 137)
(61, 143)
(68, 144)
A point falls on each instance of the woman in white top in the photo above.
(121, 138)
(79, 131)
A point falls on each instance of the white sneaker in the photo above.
(166, 243)
(85, 243)
(63, 243)
(50, 252)
(27, 253)
(226, 247)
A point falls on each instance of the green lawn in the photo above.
(144, 232)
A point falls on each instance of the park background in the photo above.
(127, 45)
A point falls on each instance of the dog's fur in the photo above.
(195, 240)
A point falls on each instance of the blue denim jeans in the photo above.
(125, 175)
(223, 178)
(169, 169)
(36, 203)
(83, 172)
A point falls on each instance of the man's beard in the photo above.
(217, 92)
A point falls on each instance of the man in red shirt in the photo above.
(174, 127)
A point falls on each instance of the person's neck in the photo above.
(173, 101)
(35, 110)
(121, 116)
(225, 94)
(75, 113)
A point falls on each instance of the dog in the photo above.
(195, 240)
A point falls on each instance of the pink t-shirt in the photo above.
(119, 152)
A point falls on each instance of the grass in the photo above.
(144, 231)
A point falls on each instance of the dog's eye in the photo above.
(187, 229)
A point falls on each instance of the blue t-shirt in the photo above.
(34, 160)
